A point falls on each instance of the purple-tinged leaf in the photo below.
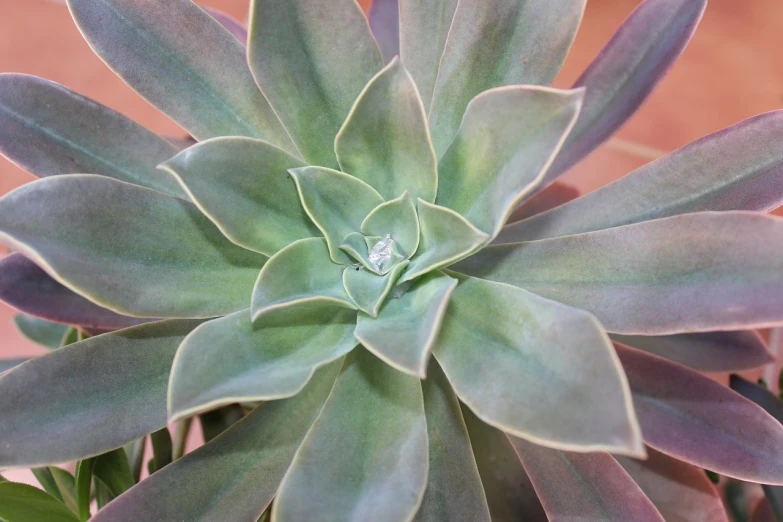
(584, 486)
(691, 273)
(29, 289)
(41, 332)
(551, 197)
(681, 492)
(693, 418)
(737, 168)
(48, 130)
(706, 352)
(626, 71)
(385, 24)
(234, 26)
(763, 512)
(7, 364)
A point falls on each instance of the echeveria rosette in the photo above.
(341, 222)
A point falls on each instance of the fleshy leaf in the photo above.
(300, 274)
(385, 140)
(626, 71)
(7, 364)
(738, 168)
(397, 218)
(243, 186)
(83, 484)
(336, 202)
(368, 290)
(494, 43)
(311, 59)
(43, 333)
(553, 196)
(230, 23)
(454, 489)
(113, 470)
(680, 491)
(404, 332)
(234, 477)
(183, 62)
(584, 486)
(90, 397)
(232, 359)
(366, 456)
(693, 418)
(385, 24)
(446, 237)
(690, 273)
(510, 494)
(544, 371)
(48, 130)
(507, 140)
(23, 503)
(28, 288)
(706, 352)
(154, 255)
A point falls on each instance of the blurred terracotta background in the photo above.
(733, 69)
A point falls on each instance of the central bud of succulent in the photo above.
(381, 253)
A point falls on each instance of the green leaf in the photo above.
(311, 59)
(232, 359)
(135, 454)
(300, 274)
(162, 449)
(507, 140)
(243, 186)
(66, 484)
(368, 290)
(336, 202)
(446, 237)
(386, 141)
(234, 477)
(96, 395)
(23, 503)
(403, 333)
(738, 168)
(398, 219)
(423, 29)
(83, 483)
(179, 438)
(44, 333)
(7, 364)
(454, 489)
(157, 255)
(102, 495)
(46, 480)
(493, 43)
(690, 273)
(183, 62)
(545, 372)
(113, 470)
(70, 336)
(215, 422)
(48, 130)
(365, 457)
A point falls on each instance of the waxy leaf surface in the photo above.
(24, 503)
(397, 218)
(368, 290)
(40, 331)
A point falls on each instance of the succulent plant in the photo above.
(340, 256)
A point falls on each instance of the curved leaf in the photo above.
(404, 332)
(365, 458)
(554, 195)
(23, 503)
(83, 485)
(311, 59)
(493, 43)
(626, 71)
(385, 140)
(182, 61)
(113, 470)
(90, 397)
(397, 218)
(544, 371)
(368, 290)
(693, 418)
(584, 486)
(48, 130)
(230, 23)
(232, 359)
(157, 255)
(243, 186)
(690, 273)
(234, 477)
(41, 332)
(706, 352)
(506, 142)
(385, 24)
(680, 491)
(738, 168)
(26, 287)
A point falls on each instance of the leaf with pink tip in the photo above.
(691, 273)
(706, 352)
(384, 20)
(693, 418)
(234, 26)
(29, 289)
(495, 43)
(584, 486)
(626, 71)
(737, 168)
(680, 491)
